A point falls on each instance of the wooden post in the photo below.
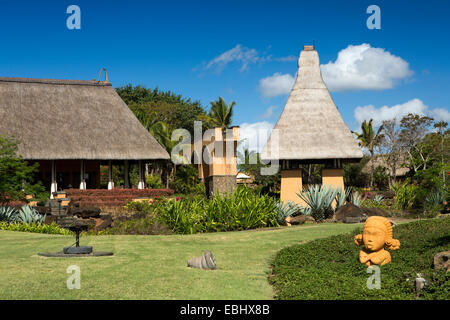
(141, 184)
(54, 186)
(127, 175)
(83, 175)
(110, 176)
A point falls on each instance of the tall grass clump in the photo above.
(241, 210)
(405, 195)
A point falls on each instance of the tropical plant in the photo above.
(16, 176)
(7, 214)
(378, 198)
(342, 196)
(356, 198)
(369, 139)
(241, 210)
(171, 108)
(434, 199)
(221, 113)
(319, 198)
(286, 210)
(153, 182)
(405, 194)
(27, 214)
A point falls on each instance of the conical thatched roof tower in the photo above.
(310, 130)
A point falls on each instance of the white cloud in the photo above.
(254, 135)
(238, 53)
(245, 56)
(415, 106)
(360, 67)
(286, 59)
(277, 84)
(440, 114)
(269, 112)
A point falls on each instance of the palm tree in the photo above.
(220, 114)
(247, 157)
(369, 139)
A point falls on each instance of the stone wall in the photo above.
(221, 184)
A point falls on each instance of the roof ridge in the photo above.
(56, 81)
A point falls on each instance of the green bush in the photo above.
(52, 228)
(146, 225)
(329, 268)
(186, 181)
(406, 195)
(154, 182)
(368, 203)
(241, 210)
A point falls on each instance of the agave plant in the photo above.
(286, 210)
(7, 214)
(434, 199)
(355, 199)
(319, 198)
(378, 198)
(27, 214)
(342, 196)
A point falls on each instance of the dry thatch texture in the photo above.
(72, 119)
(401, 168)
(310, 126)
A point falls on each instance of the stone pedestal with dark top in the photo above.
(220, 184)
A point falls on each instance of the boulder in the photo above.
(350, 211)
(85, 212)
(43, 210)
(300, 219)
(374, 212)
(206, 261)
(389, 194)
(49, 219)
(104, 222)
(442, 260)
(353, 219)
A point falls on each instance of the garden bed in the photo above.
(329, 268)
(112, 198)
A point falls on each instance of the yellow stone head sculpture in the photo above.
(376, 236)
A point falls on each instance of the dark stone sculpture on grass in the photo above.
(77, 226)
(206, 261)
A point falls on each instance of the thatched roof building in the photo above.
(310, 130)
(72, 119)
(401, 168)
(310, 126)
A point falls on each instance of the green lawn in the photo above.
(150, 267)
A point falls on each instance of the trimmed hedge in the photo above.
(120, 192)
(329, 268)
(52, 228)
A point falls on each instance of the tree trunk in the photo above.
(371, 169)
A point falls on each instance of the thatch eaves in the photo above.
(72, 119)
(401, 168)
(310, 126)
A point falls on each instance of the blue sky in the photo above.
(207, 49)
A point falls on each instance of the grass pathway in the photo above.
(150, 267)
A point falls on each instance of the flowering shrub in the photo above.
(114, 197)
